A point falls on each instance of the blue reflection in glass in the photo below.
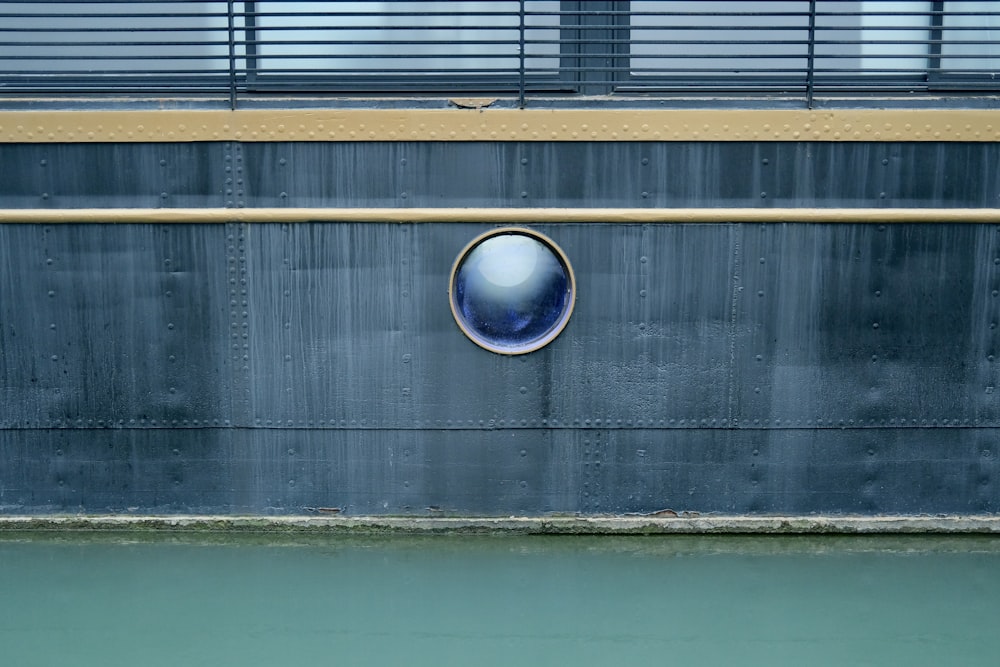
(511, 290)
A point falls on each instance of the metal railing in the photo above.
(521, 48)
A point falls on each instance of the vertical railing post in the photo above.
(250, 44)
(231, 18)
(521, 57)
(936, 37)
(811, 56)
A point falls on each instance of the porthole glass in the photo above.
(512, 290)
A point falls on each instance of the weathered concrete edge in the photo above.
(591, 525)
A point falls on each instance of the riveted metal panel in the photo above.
(282, 471)
(112, 175)
(328, 324)
(314, 174)
(120, 470)
(529, 472)
(105, 326)
(780, 471)
(570, 120)
(867, 325)
(347, 325)
(639, 174)
(636, 174)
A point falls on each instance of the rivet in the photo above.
(885, 161)
(645, 160)
(765, 161)
(642, 293)
(406, 358)
(52, 293)
(43, 162)
(643, 259)
(523, 194)
(645, 195)
(163, 163)
(163, 195)
(763, 195)
(523, 390)
(878, 292)
(282, 162)
(874, 325)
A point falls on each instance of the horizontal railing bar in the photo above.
(511, 15)
(500, 215)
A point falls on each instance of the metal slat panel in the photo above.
(521, 48)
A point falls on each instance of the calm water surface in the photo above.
(197, 600)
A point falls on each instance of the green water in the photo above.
(119, 600)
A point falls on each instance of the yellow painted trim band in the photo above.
(455, 124)
(506, 216)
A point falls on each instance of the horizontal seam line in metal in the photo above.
(501, 215)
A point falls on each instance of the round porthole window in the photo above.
(512, 290)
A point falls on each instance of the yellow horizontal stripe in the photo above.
(484, 124)
(519, 216)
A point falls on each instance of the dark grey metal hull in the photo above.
(280, 368)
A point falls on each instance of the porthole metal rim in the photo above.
(536, 344)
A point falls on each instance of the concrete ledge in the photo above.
(595, 525)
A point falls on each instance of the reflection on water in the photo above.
(174, 599)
